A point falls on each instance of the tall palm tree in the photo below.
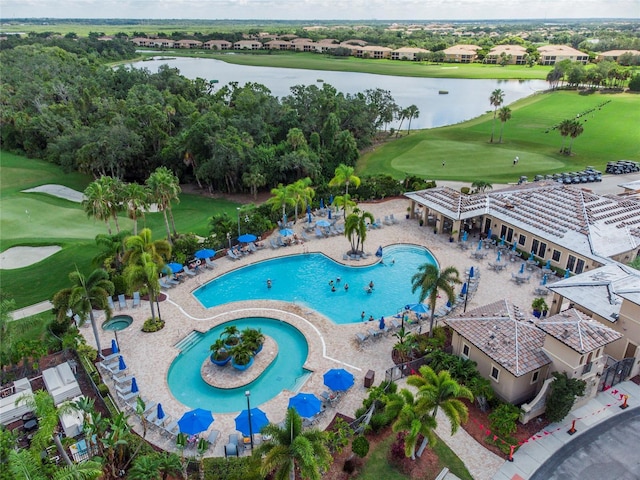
(111, 250)
(165, 188)
(292, 449)
(504, 114)
(302, 193)
(96, 203)
(412, 112)
(143, 275)
(411, 418)
(136, 199)
(496, 99)
(343, 175)
(282, 197)
(565, 130)
(481, 186)
(355, 229)
(136, 245)
(344, 202)
(254, 179)
(440, 391)
(431, 281)
(85, 294)
(574, 132)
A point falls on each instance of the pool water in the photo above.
(188, 387)
(117, 323)
(304, 279)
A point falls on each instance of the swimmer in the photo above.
(331, 283)
(369, 290)
(268, 283)
(362, 315)
(371, 284)
(371, 319)
(346, 287)
(393, 261)
(333, 288)
(338, 280)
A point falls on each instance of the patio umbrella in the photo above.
(205, 253)
(247, 237)
(175, 267)
(465, 236)
(449, 303)
(134, 385)
(544, 279)
(323, 223)
(329, 216)
(418, 307)
(121, 364)
(513, 247)
(306, 404)
(502, 240)
(464, 289)
(331, 199)
(567, 273)
(322, 203)
(381, 324)
(480, 245)
(532, 256)
(309, 220)
(114, 346)
(489, 234)
(379, 251)
(285, 232)
(548, 264)
(471, 272)
(522, 268)
(258, 421)
(338, 379)
(195, 421)
(161, 414)
(284, 219)
(499, 255)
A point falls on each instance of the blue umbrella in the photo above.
(381, 324)
(195, 421)
(502, 240)
(465, 236)
(285, 232)
(544, 279)
(175, 267)
(532, 256)
(489, 234)
(499, 255)
(322, 203)
(548, 264)
(323, 223)
(449, 303)
(247, 237)
(114, 346)
(567, 273)
(338, 379)
(309, 217)
(205, 253)
(379, 251)
(160, 412)
(134, 385)
(308, 208)
(471, 272)
(513, 247)
(522, 268)
(121, 364)
(306, 404)
(480, 245)
(331, 199)
(258, 421)
(464, 289)
(418, 307)
(284, 219)
(329, 214)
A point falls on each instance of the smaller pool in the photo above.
(117, 323)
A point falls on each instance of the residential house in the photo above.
(613, 55)
(371, 51)
(217, 45)
(247, 45)
(461, 53)
(407, 53)
(186, 43)
(278, 45)
(307, 46)
(514, 54)
(141, 41)
(551, 54)
(160, 43)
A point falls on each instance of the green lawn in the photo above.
(468, 155)
(54, 221)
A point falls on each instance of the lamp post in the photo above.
(238, 221)
(248, 394)
(466, 294)
(229, 238)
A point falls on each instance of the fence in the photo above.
(404, 369)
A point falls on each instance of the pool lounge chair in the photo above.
(232, 255)
(361, 339)
(280, 242)
(386, 220)
(127, 396)
(110, 303)
(136, 300)
(393, 219)
(378, 223)
(305, 237)
(210, 263)
(122, 302)
(173, 428)
(213, 437)
(319, 233)
(188, 271)
(273, 244)
(164, 284)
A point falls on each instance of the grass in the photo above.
(55, 221)
(469, 156)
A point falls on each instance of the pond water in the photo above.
(466, 98)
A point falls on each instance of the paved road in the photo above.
(607, 452)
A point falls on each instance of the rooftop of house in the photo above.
(591, 225)
(578, 331)
(462, 49)
(602, 290)
(508, 49)
(502, 331)
(561, 50)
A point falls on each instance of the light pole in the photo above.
(248, 394)
(466, 294)
(238, 221)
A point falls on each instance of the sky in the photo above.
(321, 9)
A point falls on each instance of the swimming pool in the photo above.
(285, 371)
(304, 279)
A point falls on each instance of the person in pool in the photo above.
(346, 287)
(371, 284)
(362, 315)
(268, 283)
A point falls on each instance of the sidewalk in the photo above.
(535, 452)
(31, 310)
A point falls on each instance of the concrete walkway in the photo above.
(547, 442)
(31, 310)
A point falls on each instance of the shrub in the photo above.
(378, 422)
(247, 468)
(503, 419)
(634, 83)
(562, 395)
(103, 390)
(152, 325)
(360, 446)
(465, 190)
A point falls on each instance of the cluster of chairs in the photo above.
(173, 280)
(332, 230)
(373, 333)
(122, 301)
(375, 225)
(389, 220)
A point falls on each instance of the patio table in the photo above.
(478, 255)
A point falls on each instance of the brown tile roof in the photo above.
(502, 332)
(578, 331)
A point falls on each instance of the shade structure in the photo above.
(322, 203)
(247, 237)
(114, 346)
(331, 199)
(339, 379)
(544, 279)
(548, 264)
(195, 421)
(381, 324)
(323, 223)
(418, 307)
(285, 232)
(522, 268)
(514, 246)
(134, 385)
(499, 256)
(205, 253)
(379, 251)
(489, 234)
(329, 215)
(480, 245)
(567, 273)
(175, 267)
(471, 272)
(306, 404)
(160, 412)
(121, 364)
(258, 421)
(464, 289)
(465, 236)
(502, 240)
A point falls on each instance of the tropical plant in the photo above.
(143, 275)
(574, 132)
(539, 305)
(111, 250)
(164, 187)
(360, 446)
(503, 419)
(302, 193)
(159, 250)
(504, 114)
(241, 354)
(136, 200)
(254, 179)
(23, 464)
(230, 335)
(431, 281)
(292, 449)
(411, 112)
(565, 129)
(480, 186)
(252, 338)
(440, 391)
(355, 229)
(412, 418)
(562, 395)
(282, 196)
(102, 200)
(219, 350)
(496, 99)
(344, 175)
(85, 295)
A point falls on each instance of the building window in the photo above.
(571, 262)
(503, 231)
(579, 266)
(509, 235)
(465, 350)
(556, 255)
(535, 376)
(542, 250)
(495, 373)
(534, 246)
(522, 239)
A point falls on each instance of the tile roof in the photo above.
(502, 332)
(578, 331)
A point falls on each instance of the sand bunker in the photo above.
(59, 191)
(18, 257)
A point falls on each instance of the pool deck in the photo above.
(149, 355)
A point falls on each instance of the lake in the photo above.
(466, 98)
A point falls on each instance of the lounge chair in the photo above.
(164, 284)
(123, 379)
(127, 396)
(305, 237)
(361, 338)
(280, 242)
(213, 437)
(252, 247)
(136, 299)
(110, 303)
(122, 302)
(232, 255)
(386, 220)
(188, 271)
(394, 324)
(152, 415)
(210, 263)
(393, 219)
(378, 223)
(172, 428)
(319, 233)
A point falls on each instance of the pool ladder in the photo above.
(189, 341)
(300, 381)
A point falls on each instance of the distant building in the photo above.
(461, 53)
(217, 45)
(407, 53)
(515, 54)
(552, 54)
(613, 55)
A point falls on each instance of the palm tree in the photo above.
(343, 175)
(481, 186)
(143, 275)
(96, 203)
(565, 129)
(302, 193)
(440, 391)
(165, 188)
(283, 196)
(136, 245)
(292, 449)
(575, 131)
(85, 295)
(136, 199)
(112, 250)
(496, 99)
(344, 202)
(504, 114)
(24, 464)
(412, 112)
(431, 281)
(355, 229)
(254, 179)
(412, 418)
